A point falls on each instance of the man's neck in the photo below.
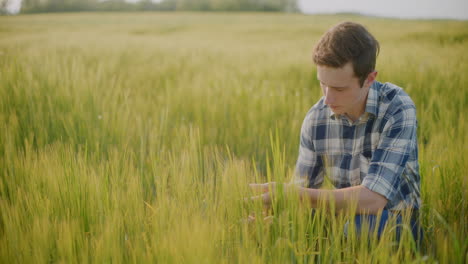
(355, 115)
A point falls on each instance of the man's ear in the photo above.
(370, 78)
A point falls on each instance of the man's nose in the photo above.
(328, 96)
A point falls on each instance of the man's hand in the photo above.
(267, 190)
(264, 189)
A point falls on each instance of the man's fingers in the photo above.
(264, 198)
(259, 187)
(251, 219)
(255, 198)
(268, 219)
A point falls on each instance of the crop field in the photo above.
(132, 138)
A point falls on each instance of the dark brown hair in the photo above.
(348, 42)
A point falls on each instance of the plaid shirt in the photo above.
(378, 151)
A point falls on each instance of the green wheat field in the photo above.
(132, 138)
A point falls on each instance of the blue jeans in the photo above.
(371, 220)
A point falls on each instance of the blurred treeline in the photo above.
(42, 6)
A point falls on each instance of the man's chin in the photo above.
(336, 110)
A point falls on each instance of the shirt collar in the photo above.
(372, 99)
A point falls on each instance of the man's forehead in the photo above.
(338, 77)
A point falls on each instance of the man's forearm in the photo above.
(359, 197)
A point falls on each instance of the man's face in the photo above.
(342, 90)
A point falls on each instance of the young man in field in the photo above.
(362, 132)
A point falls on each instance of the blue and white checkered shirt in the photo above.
(378, 151)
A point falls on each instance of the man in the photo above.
(362, 132)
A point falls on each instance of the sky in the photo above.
(452, 9)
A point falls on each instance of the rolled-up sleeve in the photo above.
(389, 159)
(309, 166)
